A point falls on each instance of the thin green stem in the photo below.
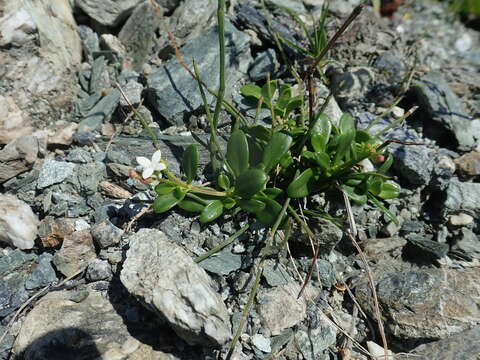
(227, 242)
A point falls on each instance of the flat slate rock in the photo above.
(174, 93)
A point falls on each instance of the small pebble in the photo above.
(461, 219)
(261, 343)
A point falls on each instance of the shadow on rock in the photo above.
(62, 344)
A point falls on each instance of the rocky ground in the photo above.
(76, 283)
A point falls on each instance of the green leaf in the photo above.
(270, 213)
(320, 133)
(268, 90)
(259, 132)
(294, 103)
(386, 164)
(379, 204)
(211, 211)
(343, 147)
(237, 152)
(164, 188)
(374, 185)
(223, 181)
(346, 124)
(228, 202)
(272, 193)
(275, 149)
(190, 162)
(362, 136)
(284, 97)
(354, 194)
(251, 205)
(251, 90)
(250, 182)
(191, 206)
(302, 185)
(389, 190)
(166, 202)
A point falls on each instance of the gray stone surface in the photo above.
(18, 156)
(138, 34)
(413, 163)
(101, 111)
(445, 109)
(18, 223)
(133, 91)
(54, 172)
(99, 77)
(467, 244)
(89, 176)
(316, 340)
(174, 93)
(462, 196)
(265, 63)
(107, 12)
(462, 346)
(90, 41)
(98, 270)
(168, 4)
(222, 263)
(76, 251)
(275, 274)
(91, 328)
(43, 274)
(428, 247)
(425, 304)
(165, 278)
(106, 234)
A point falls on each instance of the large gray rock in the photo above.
(165, 279)
(425, 304)
(445, 109)
(90, 327)
(174, 93)
(462, 196)
(18, 223)
(107, 12)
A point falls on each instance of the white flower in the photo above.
(150, 166)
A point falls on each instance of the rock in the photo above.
(189, 18)
(98, 270)
(462, 346)
(165, 278)
(113, 45)
(168, 5)
(133, 91)
(222, 263)
(16, 27)
(89, 176)
(43, 274)
(425, 304)
(174, 93)
(63, 134)
(350, 85)
(279, 308)
(138, 33)
(390, 62)
(427, 247)
(18, 223)
(52, 231)
(100, 112)
(444, 108)
(327, 234)
(90, 41)
(91, 328)
(275, 274)
(469, 164)
(467, 244)
(76, 251)
(317, 339)
(108, 12)
(413, 163)
(296, 6)
(18, 156)
(461, 196)
(463, 43)
(99, 76)
(265, 63)
(377, 351)
(106, 234)
(14, 122)
(461, 219)
(54, 172)
(81, 224)
(261, 343)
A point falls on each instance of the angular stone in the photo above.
(462, 196)
(222, 263)
(265, 63)
(16, 27)
(425, 304)
(413, 163)
(174, 93)
(54, 172)
(18, 156)
(280, 309)
(467, 244)
(91, 328)
(469, 164)
(100, 112)
(98, 270)
(165, 278)
(52, 230)
(13, 121)
(106, 234)
(43, 274)
(76, 251)
(445, 109)
(318, 338)
(133, 91)
(18, 223)
(138, 33)
(107, 12)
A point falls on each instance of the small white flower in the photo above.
(150, 166)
